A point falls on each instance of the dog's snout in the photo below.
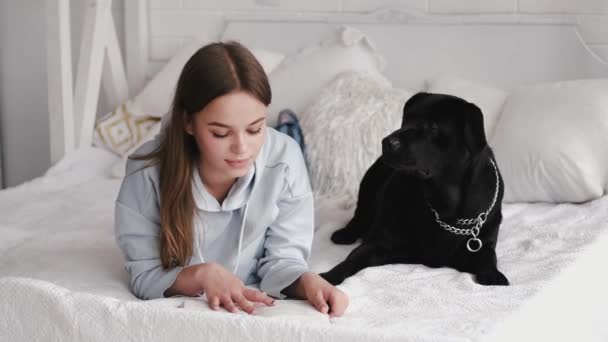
(392, 143)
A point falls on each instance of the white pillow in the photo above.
(155, 98)
(343, 129)
(300, 77)
(551, 141)
(489, 99)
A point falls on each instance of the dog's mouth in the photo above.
(418, 173)
(408, 166)
(423, 174)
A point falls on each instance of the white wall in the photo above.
(23, 90)
(23, 99)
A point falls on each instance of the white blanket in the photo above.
(62, 277)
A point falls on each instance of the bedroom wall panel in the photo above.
(472, 6)
(594, 28)
(367, 6)
(162, 48)
(164, 3)
(295, 5)
(184, 22)
(563, 6)
(601, 50)
(173, 23)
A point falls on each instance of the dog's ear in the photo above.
(474, 134)
(411, 103)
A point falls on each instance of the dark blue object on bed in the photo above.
(288, 123)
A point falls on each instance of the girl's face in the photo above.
(229, 133)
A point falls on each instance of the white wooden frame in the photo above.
(59, 79)
(72, 110)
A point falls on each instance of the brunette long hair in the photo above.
(214, 70)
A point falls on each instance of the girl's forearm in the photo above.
(187, 282)
(295, 290)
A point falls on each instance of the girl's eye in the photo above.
(217, 135)
(256, 131)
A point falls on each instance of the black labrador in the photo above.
(432, 198)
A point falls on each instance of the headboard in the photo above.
(500, 54)
(415, 46)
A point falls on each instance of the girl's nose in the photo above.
(238, 144)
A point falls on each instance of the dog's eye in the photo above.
(429, 127)
(432, 130)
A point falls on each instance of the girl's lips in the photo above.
(237, 163)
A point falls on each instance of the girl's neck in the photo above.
(218, 185)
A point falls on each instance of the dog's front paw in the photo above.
(492, 278)
(344, 236)
(332, 277)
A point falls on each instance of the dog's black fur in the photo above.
(439, 157)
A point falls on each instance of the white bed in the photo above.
(61, 275)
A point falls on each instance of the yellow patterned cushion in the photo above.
(122, 129)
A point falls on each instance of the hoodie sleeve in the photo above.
(289, 238)
(137, 233)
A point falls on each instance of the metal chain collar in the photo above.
(477, 221)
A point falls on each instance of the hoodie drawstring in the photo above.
(238, 254)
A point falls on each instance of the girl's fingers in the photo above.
(243, 303)
(319, 302)
(229, 304)
(214, 303)
(254, 295)
(338, 302)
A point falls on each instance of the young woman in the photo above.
(219, 200)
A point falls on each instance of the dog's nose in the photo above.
(392, 144)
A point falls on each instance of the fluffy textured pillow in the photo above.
(489, 99)
(343, 129)
(551, 140)
(300, 77)
(155, 98)
(123, 129)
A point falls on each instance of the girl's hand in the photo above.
(321, 294)
(225, 289)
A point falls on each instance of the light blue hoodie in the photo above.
(270, 245)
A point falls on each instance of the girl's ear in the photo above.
(189, 125)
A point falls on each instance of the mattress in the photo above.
(61, 274)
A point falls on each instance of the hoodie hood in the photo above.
(237, 196)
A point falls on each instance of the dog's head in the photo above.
(437, 132)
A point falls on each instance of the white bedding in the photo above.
(62, 277)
